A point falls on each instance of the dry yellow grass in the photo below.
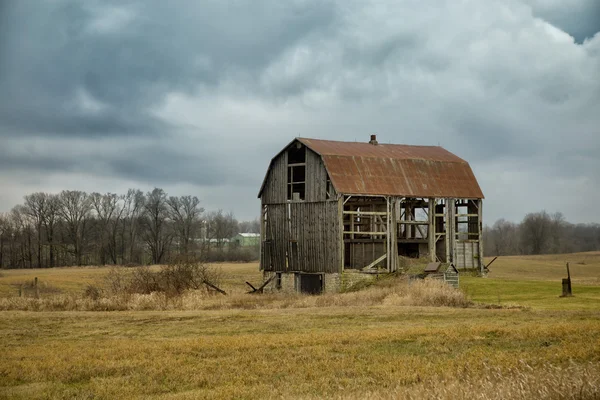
(348, 352)
(390, 292)
(73, 280)
(388, 341)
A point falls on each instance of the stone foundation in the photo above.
(288, 282)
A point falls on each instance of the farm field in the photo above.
(353, 345)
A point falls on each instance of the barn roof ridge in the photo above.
(380, 150)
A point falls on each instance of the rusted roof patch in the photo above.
(395, 170)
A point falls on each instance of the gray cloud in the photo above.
(199, 97)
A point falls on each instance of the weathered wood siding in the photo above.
(276, 238)
(316, 177)
(302, 237)
(467, 254)
(275, 190)
(314, 235)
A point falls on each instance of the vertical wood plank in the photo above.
(431, 230)
(480, 231)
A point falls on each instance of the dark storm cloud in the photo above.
(148, 163)
(92, 70)
(18, 122)
(62, 49)
(579, 18)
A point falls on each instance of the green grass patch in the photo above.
(536, 294)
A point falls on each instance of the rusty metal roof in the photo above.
(395, 170)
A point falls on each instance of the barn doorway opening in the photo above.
(310, 283)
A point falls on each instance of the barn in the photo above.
(333, 211)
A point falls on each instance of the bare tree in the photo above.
(4, 237)
(133, 207)
(74, 208)
(557, 230)
(157, 234)
(35, 207)
(535, 232)
(505, 237)
(109, 210)
(23, 228)
(221, 226)
(252, 226)
(51, 216)
(185, 211)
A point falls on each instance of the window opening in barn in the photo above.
(462, 220)
(296, 177)
(278, 281)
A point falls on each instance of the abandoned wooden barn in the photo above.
(329, 208)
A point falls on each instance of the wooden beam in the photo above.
(490, 263)
(479, 204)
(431, 230)
(412, 240)
(341, 247)
(364, 240)
(380, 259)
(452, 237)
(215, 288)
(395, 209)
(365, 233)
(401, 222)
(448, 229)
(364, 213)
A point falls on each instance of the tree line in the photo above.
(540, 233)
(78, 228)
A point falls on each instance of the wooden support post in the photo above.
(448, 228)
(393, 234)
(453, 249)
(387, 230)
(341, 251)
(261, 250)
(431, 229)
(480, 237)
(35, 286)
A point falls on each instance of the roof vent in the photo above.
(373, 140)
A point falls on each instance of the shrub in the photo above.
(173, 279)
(92, 292)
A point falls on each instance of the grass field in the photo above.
(340, 346)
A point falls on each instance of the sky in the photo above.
(196, 97)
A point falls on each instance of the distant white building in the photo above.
(246, 239)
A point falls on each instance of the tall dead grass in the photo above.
(389, 292)
(571, 382)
